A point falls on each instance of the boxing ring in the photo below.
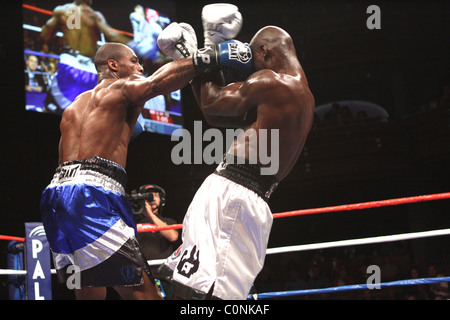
(306, 247)
(31, 247)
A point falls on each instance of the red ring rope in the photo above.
(33, 8)
(12, 238)
(365, 205)
(146, 227)
(346, 207)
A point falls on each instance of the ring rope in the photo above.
(11, 238)
(146, 227)
(41, 54)
(315, 246)
(409, 282)
(279, 294)
(33, 8)
(345, 207)
(10, 272)
(357, 206)
(352, 242)
(366, 205)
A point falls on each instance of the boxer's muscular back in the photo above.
(98, 123)
(83, 39)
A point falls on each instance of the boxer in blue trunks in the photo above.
(87, 219)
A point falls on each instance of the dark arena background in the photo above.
(382, 131)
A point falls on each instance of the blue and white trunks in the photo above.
(89, 225)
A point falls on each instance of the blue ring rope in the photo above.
(410, 282)
(37, 53)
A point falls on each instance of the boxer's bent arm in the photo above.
(229, 101)
(217, 121)
(215, 76)
(170, 77)
(236, 98)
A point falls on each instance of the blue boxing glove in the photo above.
(236, 60)
(233, 57)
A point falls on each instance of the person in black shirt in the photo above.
(34, 81)
(156, 245)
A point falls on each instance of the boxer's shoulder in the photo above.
(268, 85)
(266, 79)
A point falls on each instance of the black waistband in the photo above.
(100, 165)
(249, 176)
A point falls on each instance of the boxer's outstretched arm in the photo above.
(170, 77)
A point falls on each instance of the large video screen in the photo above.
(60, 41)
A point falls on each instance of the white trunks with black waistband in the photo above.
(225, 236)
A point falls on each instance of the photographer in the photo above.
(147, 205)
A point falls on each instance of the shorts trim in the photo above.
(182, 290)
(123, 268)
(95, 171)
(97, 251)
(249, 176)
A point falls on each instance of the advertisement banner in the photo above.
(39, 282)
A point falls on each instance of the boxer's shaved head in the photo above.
(272, 37)
(111, 50)
(274, 49)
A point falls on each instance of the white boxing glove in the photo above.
(221, 22)
(178, 40)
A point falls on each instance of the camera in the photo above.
(137, 200)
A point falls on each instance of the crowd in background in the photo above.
(341, 115)
(344, 266)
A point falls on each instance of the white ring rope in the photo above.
(352, 242)
(305, 247)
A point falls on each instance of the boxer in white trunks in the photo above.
(226, 228)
